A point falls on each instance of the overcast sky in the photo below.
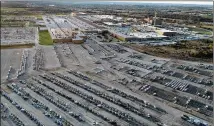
(180, 1)
(205, 2)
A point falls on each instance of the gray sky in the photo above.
(205, 2)
(119, 0)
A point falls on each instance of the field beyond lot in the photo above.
(201, 50)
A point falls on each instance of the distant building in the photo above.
(152, 21)
(73, 14)
(81, 13)
(166, 32)
(147, 20)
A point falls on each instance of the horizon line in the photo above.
(168, 2)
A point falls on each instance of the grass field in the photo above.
(200, 30)
(207, 26)
(39, 17)
(45, 38)
(207, 16)
(12, 9)
(60, 14)
(13, 24)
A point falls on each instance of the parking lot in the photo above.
(11, 60)
(98, 83)
(15, 36)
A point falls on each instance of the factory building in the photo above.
(67, 35)
(136, 36)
